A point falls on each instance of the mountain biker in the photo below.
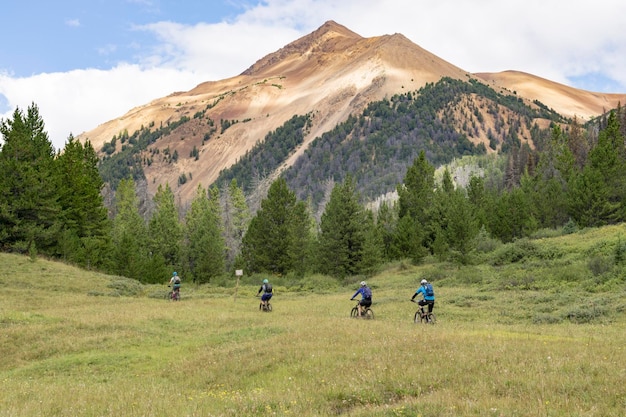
(175, 284)
(366, 296)
(267, 290)
(426, 289)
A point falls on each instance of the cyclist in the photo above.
(266, 288)
(366, 297)
(175, 284)
(426, 289)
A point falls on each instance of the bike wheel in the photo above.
(368, 314)
(354, 312)
(431, 318)
(417, 318)
(268, 308)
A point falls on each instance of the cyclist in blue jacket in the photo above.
(366, 297)
(426, 289)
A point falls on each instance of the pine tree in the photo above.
(268, 245)
(87, 228)
(462, 227)
(597, 195)
(165, 234)
(130, 237)
(29, 199)
(236, 218)
(415, 202)
(386, 223)
(343, 229)
(204, 251)
(301, 239)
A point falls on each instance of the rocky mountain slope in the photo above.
(330, 73)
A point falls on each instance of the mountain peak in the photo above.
(329, 37)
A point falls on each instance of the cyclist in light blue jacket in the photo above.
(426, 289)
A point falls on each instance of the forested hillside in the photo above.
(377, 146)
(562, 179)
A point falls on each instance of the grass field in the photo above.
(532, 338)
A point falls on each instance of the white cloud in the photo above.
(555, 40)
(80, 100)
(72, 22)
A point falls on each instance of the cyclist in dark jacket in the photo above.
(366, 296)
(267, 291)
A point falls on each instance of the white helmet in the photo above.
(363, 283)
(424, 282)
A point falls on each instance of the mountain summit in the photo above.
(331, 73)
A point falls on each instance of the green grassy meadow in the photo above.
(540, 335)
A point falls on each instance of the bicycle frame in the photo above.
(367, 312)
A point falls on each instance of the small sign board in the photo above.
(238, 273)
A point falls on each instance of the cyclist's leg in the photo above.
(365, 305)
(264, 298)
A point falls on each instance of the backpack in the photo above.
(367, 293)
(177, 280)
(429, 290)
(268, 288)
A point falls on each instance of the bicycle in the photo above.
(174, 295)
(265, 307)
(423, 316)
(368, 313)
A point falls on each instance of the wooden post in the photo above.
(238, 273)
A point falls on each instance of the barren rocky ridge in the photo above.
(332, 73)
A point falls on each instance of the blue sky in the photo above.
(86, 62)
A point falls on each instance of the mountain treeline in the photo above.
(266, 156)
(51, 204)
(379, 145)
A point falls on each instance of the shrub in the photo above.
(570, 227)
(515, 252)
(599, 265)
(125, 287)
(485, 243)
(586, 314)
(546, 319)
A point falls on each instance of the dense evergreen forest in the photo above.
(51, 202)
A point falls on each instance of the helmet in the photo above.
(175, 274)
(265, 281)
(363, 283)
(424, 282)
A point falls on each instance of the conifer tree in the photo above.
(300, 239)
(86, 226)
(270, 243)
(165, 233)
(204, 245)
(29, 200)
(343, 230)
(415, 202)
(236, 217)
(386, 223)
(597, 195)
(130, 237)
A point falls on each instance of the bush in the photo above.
(125, 287)
(515, 252)
(586, 314)
(546, 319)
(570, 227)
(485, 243)
(599, 265)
